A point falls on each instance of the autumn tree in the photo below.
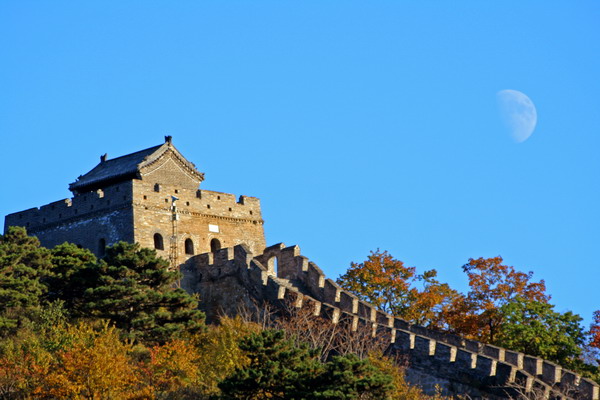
(94, 365)
(23, 266)
(219, 353)
(595, 331)
(173, 369)
(392, 287)
(493, 285)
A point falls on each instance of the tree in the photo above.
(595, 331)
(392, 287)
(382, 281)
(133, 288)
(23, 266)
(174, 369)
(493, 285)
(534, 328)
(277, 369)
(433, 303)
(280, 369)
(69, 281)
(349, 377)
(95, 365)
(219, 351)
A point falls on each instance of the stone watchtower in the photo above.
(151, 197)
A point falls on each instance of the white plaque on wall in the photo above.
(213, 228)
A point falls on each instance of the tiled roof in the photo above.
(113, 170)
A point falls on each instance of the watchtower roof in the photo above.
(127, 167)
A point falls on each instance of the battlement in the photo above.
(80, 206)
(196, 201)
(282, 276)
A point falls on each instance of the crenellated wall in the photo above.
(233, 277)
(91, 220)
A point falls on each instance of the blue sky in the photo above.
(360, 125)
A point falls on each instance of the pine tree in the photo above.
(23, 266)
(278, 369)
(72, 267)
(281, 369)
(134, 288)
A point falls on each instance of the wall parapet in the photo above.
(480, 364)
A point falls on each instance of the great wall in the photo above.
(232, 277)
(218, 242)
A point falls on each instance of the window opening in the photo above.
(272, 264)
(101, 247)
(158, 242)
(189, 246)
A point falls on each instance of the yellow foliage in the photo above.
(95, 366)
(173, 368)
(219, 353)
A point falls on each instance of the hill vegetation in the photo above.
(77, 327)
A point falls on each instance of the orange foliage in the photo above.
(492, 285)
(23, 374)
(392, 287)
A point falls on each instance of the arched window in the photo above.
(158, 242)
(215, 245)
(101, 247)
(189, 246)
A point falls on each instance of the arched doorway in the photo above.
(215, 245)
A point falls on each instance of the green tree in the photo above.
(73, 267)
(280, 369)
(348, 377)
(23, 267)
(533, 327)
(135, 289)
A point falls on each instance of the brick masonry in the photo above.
(139, 209)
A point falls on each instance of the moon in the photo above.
(518, 113)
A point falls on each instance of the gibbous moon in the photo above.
(518, 113)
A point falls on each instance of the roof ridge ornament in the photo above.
(168, 139)
(103, 157)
